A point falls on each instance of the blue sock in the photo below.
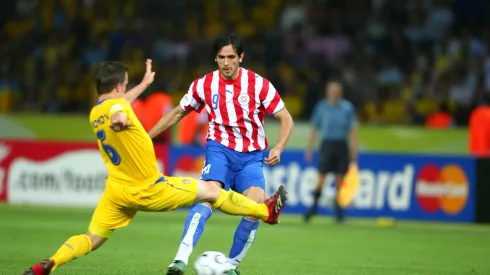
(194, 227)
(244, 237)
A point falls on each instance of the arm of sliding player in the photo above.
(148, 78)
(285, 129)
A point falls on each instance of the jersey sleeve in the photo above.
(192, 100)
(119, 106)
(271, 100)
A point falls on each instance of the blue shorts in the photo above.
(236, 170)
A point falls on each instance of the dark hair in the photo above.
(333, 80)
(232, 40)
(108, 75)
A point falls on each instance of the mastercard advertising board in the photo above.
(412, 187)
(416, 187)
(442, 189)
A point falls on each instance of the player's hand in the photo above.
(274, 157)
(119, 122)
(308, 156)
(119, 126)
(149, 75)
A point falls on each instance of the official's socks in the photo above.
(194, 227)
(244, 237)
(75, 247)
(234, 203)
(339, 211)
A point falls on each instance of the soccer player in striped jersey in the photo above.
(236, 100)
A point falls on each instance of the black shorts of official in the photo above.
(333, 157)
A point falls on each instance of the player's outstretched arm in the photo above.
(168, 120)
(285, 130)
(145, 82)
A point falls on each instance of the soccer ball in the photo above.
(211, 263)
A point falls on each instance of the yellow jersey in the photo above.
(129, 155)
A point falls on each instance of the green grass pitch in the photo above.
(357, 247)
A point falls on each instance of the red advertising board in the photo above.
(63, 173)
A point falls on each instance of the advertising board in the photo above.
(415, 187)
(54, 173)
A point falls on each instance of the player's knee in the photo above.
(208, 191)
(255, 193)
(96, 241)
(321, 181)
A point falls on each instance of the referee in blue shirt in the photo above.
(334, 119)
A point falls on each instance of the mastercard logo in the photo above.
(442, 188)
(189, 166)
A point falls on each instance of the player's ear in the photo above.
(241, 57)
(119, 88)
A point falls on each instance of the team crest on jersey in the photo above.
(243, 99)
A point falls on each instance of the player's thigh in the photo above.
(169, 194)
(109, 215)
(216, 166)
(252, 175)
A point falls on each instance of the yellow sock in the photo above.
(75, 247)
(234, 203)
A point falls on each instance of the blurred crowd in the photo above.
(402, 61)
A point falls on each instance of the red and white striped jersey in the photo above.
(236, 108)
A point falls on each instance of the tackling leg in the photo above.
(73, 248)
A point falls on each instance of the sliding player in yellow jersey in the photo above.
(134, 182)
